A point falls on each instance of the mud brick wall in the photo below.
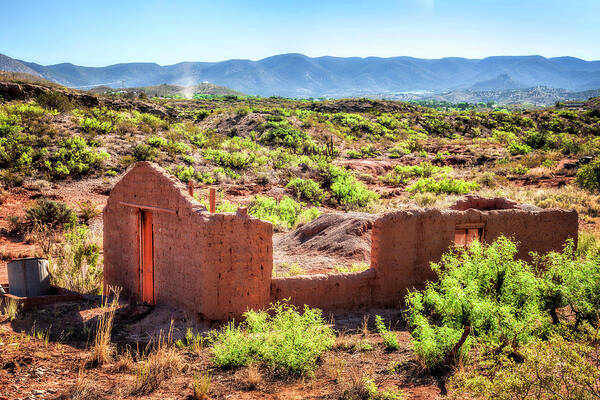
(329, 292)
(219, 265)
(238, 262)
(215, 265)
(404, 243)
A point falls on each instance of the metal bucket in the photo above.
(28, 277)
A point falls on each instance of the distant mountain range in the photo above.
(296, 75)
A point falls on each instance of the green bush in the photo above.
(574, 282)
(236, 159)
(402, 173)
(444, 185)
(75, 263)
(588, 176)
(198, 139)
(281, 338)
(345, 188)
(364, 152)
(153, 122)
(143, 152)
(283, 134)
(51, 214)
(556, 369)
(93, 125)
(157, 141)
(390, 339)
(54, 100)
(184, 174)
(284, 214)
(28, 111)
(506, 302)
(307, 189)
(74, 158)
(516, 148)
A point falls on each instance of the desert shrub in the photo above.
(93, 125)
(184, 174)
(574, 282)
(198, 139)
(504, 136)
(413, 144)
(307, 189)
(74, 158)
(364, 152)
(87, 211)
(283, 134)
(436, 125)
(535, 139)
(517, 148)
(345, 188)
(235, 160)
(75, 261)
(200, 115)
(28, 111)
(403, 173)
(285, 213)
(358, 125)
(282, 338)
(484, 288)
(152, 122)
(390, 339)
(143, 152)
(505, 302)
(55, 101)
(588, 176)
(51, 214)
(556, 369)
(444, 185)
(157, 141)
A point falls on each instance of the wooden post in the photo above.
(212, 200)
(191, 187)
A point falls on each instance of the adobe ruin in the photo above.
(162, 246)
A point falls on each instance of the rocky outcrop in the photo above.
(25, 91)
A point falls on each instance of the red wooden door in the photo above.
(147, 257)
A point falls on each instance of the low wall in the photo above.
(329, 292)
(405, 243)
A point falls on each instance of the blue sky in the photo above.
(97, 33)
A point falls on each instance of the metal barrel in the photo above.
(28, 277)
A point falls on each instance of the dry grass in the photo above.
(10, 309)
(201, 387)
(124, 362)
(365, 325)
(82, 389)
(250, 377)
(568, 197)
(163, 362)
(102, 351)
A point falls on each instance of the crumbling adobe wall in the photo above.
(220, 265)
(238, 262)
(216, 265)
(404, 243)
(329, 292)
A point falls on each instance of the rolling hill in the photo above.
(296, 75)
